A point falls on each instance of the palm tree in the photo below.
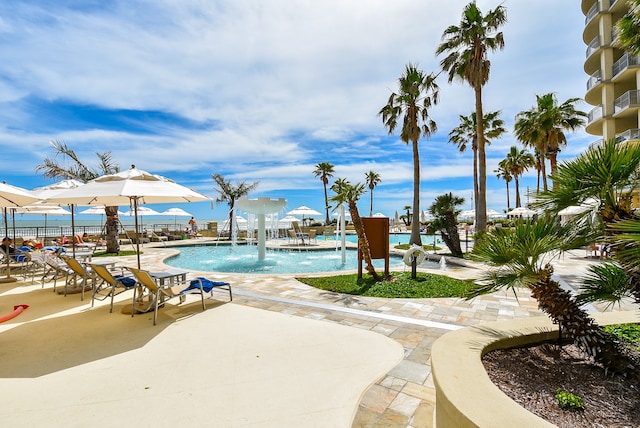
(503, 172)
(466, 47)
(79, 170)
(373, 178)
(628, 29)
(521, 257)
(348, 193)
(417, 92)
(324, 170)
(517, 162)
(230, 193)
(445, 210)
(543, 126)
(466, 132)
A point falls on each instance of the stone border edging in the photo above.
(465, 396)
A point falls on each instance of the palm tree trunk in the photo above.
(415, 231)
(543, 170)
(327, 220)
(517, 180)
(363, 242)
(578, 326)
(508, 201)
(481, 204)
(553, 163)
(475, 178)
(371, 204)
(111, 229)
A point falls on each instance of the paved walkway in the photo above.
(405, 396)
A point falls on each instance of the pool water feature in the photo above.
(244, 259)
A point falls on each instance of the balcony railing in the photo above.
(628, 99)
(594, 45)
(631, 134)
(595, 79)
(611, 3)
(624, 62)
(595, 9)
(595, 114)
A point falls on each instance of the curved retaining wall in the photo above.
(465, 396)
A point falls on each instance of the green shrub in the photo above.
(569, 401)
(627, 333)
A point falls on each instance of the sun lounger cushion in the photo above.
(207, 285)
(127, 281)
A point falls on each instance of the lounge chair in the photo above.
(293, 236)
(19, 260)
(78, 276)
(157, 295)
(153, 237)
(111, 285)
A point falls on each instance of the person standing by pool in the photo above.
(194, 226)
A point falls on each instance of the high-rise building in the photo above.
(614, 75)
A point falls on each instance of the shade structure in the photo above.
(379, 215)
(142, 211)
(97, 211)
(176, 212)
(131, 187)
(303, 211)
(13, 197)
(471, 214)
(285, 222)
(43, 210)
(522, 211)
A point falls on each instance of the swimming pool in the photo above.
(244, 259)
(394, 238)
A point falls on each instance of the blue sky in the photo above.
(264, 90)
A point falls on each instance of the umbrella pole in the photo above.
(135, 212)
(6, 233)
(73, 233)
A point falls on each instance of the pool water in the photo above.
(244, 259)
(395, 238)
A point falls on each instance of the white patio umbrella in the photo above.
(131, 187)
(285, 222)
(379, 215)
(303, 211)
(522, 211)
(467, 214)
(12, 197)
(176, 212)
(55, 189)
(44, 210)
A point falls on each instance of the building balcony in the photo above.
(627, 101)
(595, 9)
(595, 114)
(628, 135)
(594, 80)
(624, 63)
(593, 46)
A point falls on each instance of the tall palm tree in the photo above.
(445, 209)
(76, 169)
(417, 92)
(324, 170)
(466, 132)
(628, 29)
(517, 162)
(230, 193)
(466, 47)
(503, 172)
(373, 178)
(543, 127)
(348, 193)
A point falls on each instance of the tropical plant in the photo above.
(517, 162)
(520, 257)
(504, 173)
(542, 127)
(417, 92)
(628, 29)
(408, 216)
(348, 193)
(445, 210)
(466, 47)
(324, 170)
(373, 179)
(466, 132)
(230, 193)
(72, 167)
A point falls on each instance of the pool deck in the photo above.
(389, 389)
